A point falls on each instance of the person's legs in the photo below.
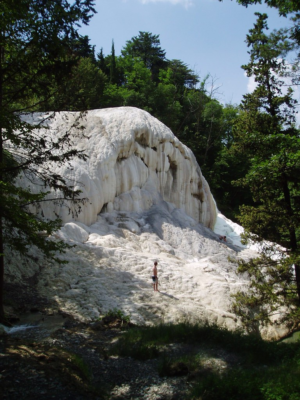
(155, 284)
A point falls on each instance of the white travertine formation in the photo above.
(133, 161)
(152, 196)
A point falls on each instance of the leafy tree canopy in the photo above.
(284, 6)
(147, 47)
(82, 48)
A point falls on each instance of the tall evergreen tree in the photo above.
(266, 133)
(113, 73)
(82, 48)
(101, 61)
(146, 46)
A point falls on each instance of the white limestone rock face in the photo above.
(155, 206)
(133, 161)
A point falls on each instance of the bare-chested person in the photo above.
(154, 277)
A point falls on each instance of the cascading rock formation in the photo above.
(146, 201)
(133, 160)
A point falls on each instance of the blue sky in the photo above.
(208, 35)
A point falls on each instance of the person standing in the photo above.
(154, 277)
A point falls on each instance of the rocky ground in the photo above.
(61, 358)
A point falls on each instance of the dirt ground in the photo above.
(57, 357)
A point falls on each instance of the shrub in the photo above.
(117, 314)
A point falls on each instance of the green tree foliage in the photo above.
(80, 47)
(83, 90)
(284, 6)
(101, 61)
(36, 41)
(225, 166)
(112, 69)
(266, 134)
(146, 46)
(182, 76)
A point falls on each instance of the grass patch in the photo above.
(252, 348)
(276, 383)
(137, 350)
(79, 363)
(266, 370)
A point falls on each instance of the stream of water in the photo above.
(36, 326)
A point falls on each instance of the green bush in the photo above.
(118, 314)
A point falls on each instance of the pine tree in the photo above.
(266, 133)
(113, 78)
(146, 46)
(101, 61)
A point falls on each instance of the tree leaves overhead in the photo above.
(284, 6)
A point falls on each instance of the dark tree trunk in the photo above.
(292, 231)
(1, 178)
(297, 275)
(1, 273)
